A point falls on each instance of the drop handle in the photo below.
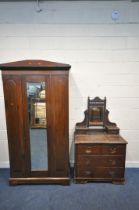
(112, 173)
(11, 104)
(113, 162)
(88, 151)
(88, 172)
(113, 150)
(87, 162)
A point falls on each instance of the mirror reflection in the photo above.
(37, 125)
(96, 116)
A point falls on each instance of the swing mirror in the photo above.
(96, 116)
(96, 112)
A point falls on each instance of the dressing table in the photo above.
(100, 151)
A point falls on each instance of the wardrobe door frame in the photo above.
(14, 105)
(59, 125)
(25, 79)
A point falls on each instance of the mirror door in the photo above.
(35, 90)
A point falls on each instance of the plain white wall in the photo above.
(103, 53)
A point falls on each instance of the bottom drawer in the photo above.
(100, 173)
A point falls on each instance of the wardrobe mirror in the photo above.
(36, 94)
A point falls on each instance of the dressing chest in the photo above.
(99, 149)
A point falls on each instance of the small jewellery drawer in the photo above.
(100, 172)
(88, 149)
(100, 161)
(97, 149)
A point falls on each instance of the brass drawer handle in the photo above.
(11, 104)
(113, 150)
(88, 172)
(111, 173)
(88, 151)
(113, 162)
(87, 162)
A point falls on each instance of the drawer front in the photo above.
(91, 161)
(101, 173)
(100, 149)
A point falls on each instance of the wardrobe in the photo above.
(36, 106)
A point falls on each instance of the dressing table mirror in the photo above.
(96, 112)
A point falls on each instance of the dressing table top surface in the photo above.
(103, 138)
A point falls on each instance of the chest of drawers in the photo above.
(99, 157)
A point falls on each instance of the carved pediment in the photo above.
(34, 64)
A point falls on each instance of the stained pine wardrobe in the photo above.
(36, 104)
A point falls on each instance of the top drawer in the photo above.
(100, 149)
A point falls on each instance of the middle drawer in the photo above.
(101, 161)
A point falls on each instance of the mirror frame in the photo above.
(98, 104)
(33, 79)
